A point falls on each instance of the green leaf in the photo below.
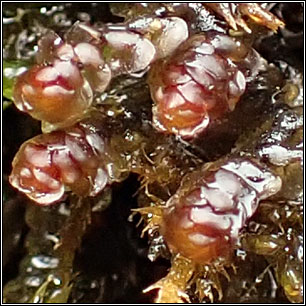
(11, 69)
(39, 295)
(60, 295)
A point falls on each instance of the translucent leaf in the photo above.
(11, 69)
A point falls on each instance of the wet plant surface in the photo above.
(132, 183)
